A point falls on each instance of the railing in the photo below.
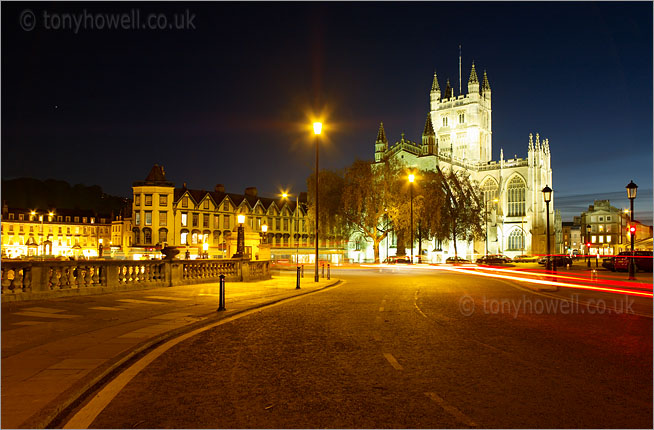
(24, 280)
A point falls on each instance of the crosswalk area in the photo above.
(37, 315)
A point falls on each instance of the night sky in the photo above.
(231, 101)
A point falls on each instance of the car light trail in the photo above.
(553, 283)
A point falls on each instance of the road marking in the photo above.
(106, 308)
(145, 302)
(85, 416)
(180, 299)
(45, 315)
(46, 310)
(393, 361)
(460, 416)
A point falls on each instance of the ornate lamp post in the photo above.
(547, 196)
(317, 128)
(631, 194)
(205, 250)
(411, 179)
(240, 237)
(264, 233)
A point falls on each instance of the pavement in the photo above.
(55, 351)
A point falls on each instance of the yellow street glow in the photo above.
(241, 219)
(284, 195)
(264, 228)
(317, 127)
(412, 177)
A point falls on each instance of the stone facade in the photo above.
(458, 135)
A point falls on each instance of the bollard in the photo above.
(328, 272)
(567, 266)
(593, 275)
(297, 283)
(323, 270)
(221, 300)
(303, 270)
(597, 261)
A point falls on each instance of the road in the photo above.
(401, 348)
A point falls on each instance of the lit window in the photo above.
(84, 220)
(593, 239)
(216, 221)
(608, 239)
(601, 239)
(184, 220)
(148, 218)
(21, 217)
(148, 199)
(184, 237)
(76, 219)
(137, 218)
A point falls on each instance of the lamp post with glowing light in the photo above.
(631, 194)
(411, 179)
(205, 250)
(240, 237)
(317, 128)
(587, 245)
(547, 196)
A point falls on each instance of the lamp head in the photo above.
(317, 127)
(412, 177)
(241, 218)
(264, 228)
(547, 194)
(631, 190)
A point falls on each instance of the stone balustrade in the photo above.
(29, 280)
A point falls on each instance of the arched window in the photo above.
(516, 196)
(183, 237)
(147, 236)
(489, 190)
(516, 240)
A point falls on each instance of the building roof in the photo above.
(156, 177)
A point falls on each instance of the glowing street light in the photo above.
(412, 178)
(547, 196)
(317, 129)
(631, 194)
(240, 237)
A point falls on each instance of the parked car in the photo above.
(609, 263)
(494, 259)
(559, 260)
(642, 259)
(394, 259)
(525, 259)
(457, 260)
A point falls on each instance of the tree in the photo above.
(462, 216)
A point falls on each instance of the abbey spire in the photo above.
(428, 138)
(473, 82)
(485, 87)
(381, 144)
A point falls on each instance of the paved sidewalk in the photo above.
(55, 350)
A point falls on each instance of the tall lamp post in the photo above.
(411, 179)
(587, 244)
(240, 237)
(547, 196)
(317, 128)
(493, 201)
(631, 194)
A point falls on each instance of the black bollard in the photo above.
(328, 272)
(302, 270)
(297, 283)
(323, 270)
(221, 300)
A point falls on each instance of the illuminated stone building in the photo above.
(53, 233)
(458, 135)
(192, 220)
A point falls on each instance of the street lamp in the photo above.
(411, 179)
(631, 194)
(547, 196)
(486, 205)
(240, 237)
(317, 128)
(587, 244)
(205, 249)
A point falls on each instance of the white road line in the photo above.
(460, 416)
(179, 299)
(85, 416)
(145, 302)
(45, 315)
(393, 361)
(46, 310)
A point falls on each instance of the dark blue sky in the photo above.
(225, 102)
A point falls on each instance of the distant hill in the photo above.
(30, 193)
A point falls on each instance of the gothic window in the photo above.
(489, 190)
(444, 121)
(516, 240)
(516, 196)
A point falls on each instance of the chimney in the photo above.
(251, 191)
(219, 188)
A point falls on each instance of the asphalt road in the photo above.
(400, 348)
